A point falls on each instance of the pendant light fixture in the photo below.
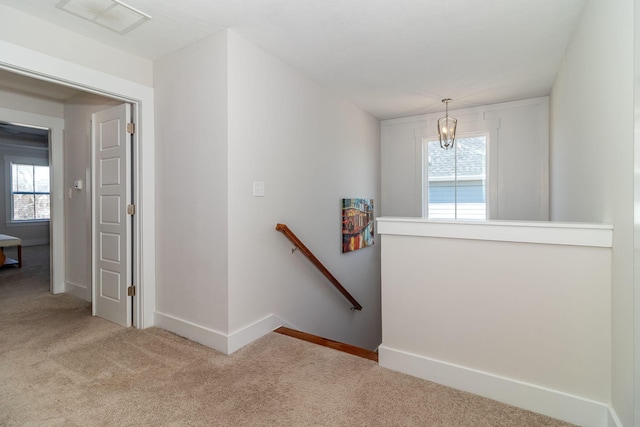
(447, 128)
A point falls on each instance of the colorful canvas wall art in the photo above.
(357, 224)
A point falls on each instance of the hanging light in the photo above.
(447, 128)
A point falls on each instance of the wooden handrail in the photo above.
(315, 261)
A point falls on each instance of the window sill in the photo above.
(28, 223)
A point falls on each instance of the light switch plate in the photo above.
(258, 189)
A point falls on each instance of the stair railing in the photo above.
(300, 246)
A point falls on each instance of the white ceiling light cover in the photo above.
(111, 14)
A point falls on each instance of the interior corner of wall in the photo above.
(200, 334)
(253, 332)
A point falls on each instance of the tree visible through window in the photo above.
(455, 180)
(30, 198)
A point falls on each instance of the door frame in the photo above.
(37, 65)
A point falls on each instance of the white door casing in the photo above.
(112, 226)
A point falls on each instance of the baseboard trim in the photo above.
(76, 290)
(200, 334)
(225, 343)
(325, 342)
(553, 403)
(612, 419)
(252, 332)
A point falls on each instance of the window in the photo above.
(454, 181)
(29, 192)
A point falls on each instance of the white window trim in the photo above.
(467, 126)
(25, 160)
(425, 170)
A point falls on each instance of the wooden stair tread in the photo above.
(325, 342)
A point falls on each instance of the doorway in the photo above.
(101, 274)
(60, 184)
(55, 135)
(24, 190)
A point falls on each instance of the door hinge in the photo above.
(131, 128)
(131, 209)
(131, 291)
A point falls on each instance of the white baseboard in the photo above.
(200, 334)
(553, 403)
(612, 419)
(225, 343)
(76, 290)
(252, 332)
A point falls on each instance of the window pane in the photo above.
(41, 178)
(31, 179)
(471, 178)
(23, 205)
(441, 182)
(22, 178)
(42, 206)
(456, 179)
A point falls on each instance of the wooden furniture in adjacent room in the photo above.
(8, 241)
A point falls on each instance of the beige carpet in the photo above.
(61, 367)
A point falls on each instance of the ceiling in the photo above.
(391, 58)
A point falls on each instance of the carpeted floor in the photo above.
(59, 366)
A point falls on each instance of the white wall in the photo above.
(545, 322)
(16, 100)
(77, 161)
(39, 35)
(592, 159)
(229, 114)
(636, 191)
(191, 175)
(525, 322)
(518, 184)
(311, 149)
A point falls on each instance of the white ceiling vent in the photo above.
(111, 14)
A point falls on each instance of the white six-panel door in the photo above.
(111, 153)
